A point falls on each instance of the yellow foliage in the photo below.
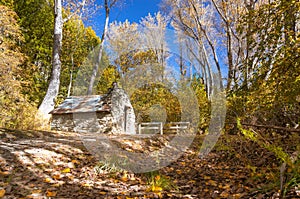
(16, 111)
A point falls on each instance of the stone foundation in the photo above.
(100, 122)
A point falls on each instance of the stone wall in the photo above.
(122, 111)
(100, 122)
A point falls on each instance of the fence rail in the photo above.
(151, 126)
(179, 126)
(159, 126)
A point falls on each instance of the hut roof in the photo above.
(83, 104)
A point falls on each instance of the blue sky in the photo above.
(133, 10)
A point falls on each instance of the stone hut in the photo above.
(109, 113)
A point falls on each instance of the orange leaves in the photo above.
(2, 193)
(51, 193)
(75, 162)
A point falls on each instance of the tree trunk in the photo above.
(71, 76)
(96, 66)
(52, 92)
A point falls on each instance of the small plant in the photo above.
(158, 182)
(113, 164)
(292, 177)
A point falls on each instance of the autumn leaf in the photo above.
(211, 182)
(157, 177)
(66, 170)
(159, 194)
(48, 180)
(4, 173)
(191, 182)
(36, 191)
(2, 193)
(57, 176)
(87, 185)
(51, 193)
(155, 189)
(75, 162)
(124, 178)
(178, 171)
(224, 194)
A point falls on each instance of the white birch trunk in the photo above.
(96, 66)
(52, 92)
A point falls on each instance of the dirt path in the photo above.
(36, 164)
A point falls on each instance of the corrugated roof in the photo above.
(83, 104)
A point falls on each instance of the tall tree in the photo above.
(53, 87)
(277, 50)
(154, 28)
(229, 13)
(107, 4)
(124, 39)
(192, 18)
(78, 42)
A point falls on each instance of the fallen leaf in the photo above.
(212, 182)
(178, 171)
(75, 161)
(156, 189)
(87, 185)
(66, 170)
(51, 193)
(224, 194)
(36, 191)
(57, 176)
(2, 193)
(5, 173)
(124, 178)
(48, 180)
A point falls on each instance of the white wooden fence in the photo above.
(152, 126)
(179, 126)
(159, 126)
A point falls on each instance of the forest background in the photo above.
(257, 41)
